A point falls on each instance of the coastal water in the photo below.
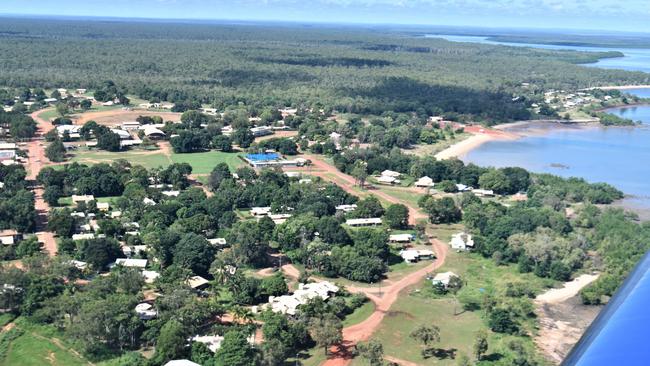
(635, 59)
(616, 155)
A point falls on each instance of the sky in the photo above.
(619, 15)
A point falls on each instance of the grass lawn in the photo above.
(39, 345)
(147, 160)
(49, 114)
(204, 162)
(426, 150)
(360, 314)
(408, 197)
(311, 357)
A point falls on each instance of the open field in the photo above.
(202, 163)
(360, 314)
(116, 115)
(37, 346)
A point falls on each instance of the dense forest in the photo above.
(347, 69)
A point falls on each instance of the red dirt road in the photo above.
(36, 162)
(387, 294)
(324, 170)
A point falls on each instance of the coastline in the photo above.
(462, 148)
(620, 87)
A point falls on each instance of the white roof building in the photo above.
(385, 179)
(181, 363)
(84, 198)
(78, 264)
(153, 132)
(103, 206)
(148, 201)
(124, 135)
(346, 208)
(196, 282)
(260, 211)
(87, 236)
(217, 241)
(130, 262)
(425, 182)
(171, 193)
(150, 276)
(443, 278)
(463, 188)
(400, 238)
(390, 173)
(146, 311)
(280, 218)
(461, 241)
(364, 222)
(483, 192)
(288, 304)
(414, 255)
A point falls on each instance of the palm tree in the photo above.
(242, 314)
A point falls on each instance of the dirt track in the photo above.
(387, 294)
(37, 160)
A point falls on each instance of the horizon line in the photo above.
(306, 22)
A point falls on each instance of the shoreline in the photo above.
(462, 148)
(620, 87)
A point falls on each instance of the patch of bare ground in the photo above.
(561, 324)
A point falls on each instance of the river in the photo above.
(635, 59)
(616, 155)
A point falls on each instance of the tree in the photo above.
(100, 252)
(194, 252)
(480, 345)
(55, 151)
(62, 108)
(52, 194)
(109, 141)
(397, 216)
(218, 174)
(369, 207)
(360, 172)
(501, 321)
(170, 344)
(86, 104)
(61, 222)
(373, 351)
(235, 350)
(495, 180)
(426, 334)
(223, 143)
(326, 331)
(28, 247)
(442, 211)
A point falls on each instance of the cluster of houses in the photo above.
(428, 183)
(288, 304)
(389, 177)
(563, 100)
(64, 94)
(129, 133)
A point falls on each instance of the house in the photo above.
(145, 311)
(7, 155)
(261, 131)
(103, 206)
(443, 278)
(181, 363)
(9, 237)
(346, 208)
(288, 304)
(86, 236)
(483, 192)
(130, 262)
(214, 342)
(116, 214)
(424, 182)
(153, 132)
(401, 238)
(462, 188)
(305, 181)
(461, 241)
(150, 276)
(78, 264)
(197, 282)
(390, 173)
(217, 241)
(280, 218)
(260, 211)
(82, 198)
(388, 180)
(364, 222)
(414, 255)
(171, 193)
(8, 146)
(71, 130)
(130, 126)
(124, 135)
(148, 201)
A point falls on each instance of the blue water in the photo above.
(634, 60)
(616, 155)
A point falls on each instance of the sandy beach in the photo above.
(478, 138)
